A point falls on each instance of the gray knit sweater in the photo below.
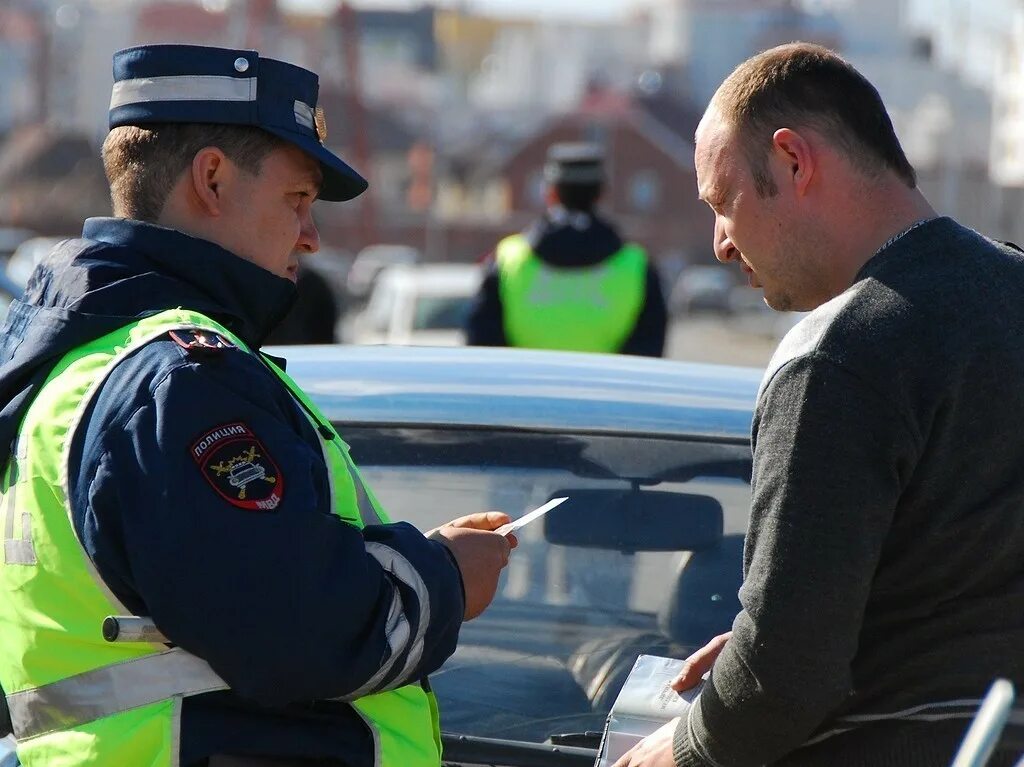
(884, 566)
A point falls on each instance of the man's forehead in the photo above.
(712, 132)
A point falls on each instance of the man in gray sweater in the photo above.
(884, 566)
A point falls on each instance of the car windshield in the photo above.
(441, 312)
(592, 585)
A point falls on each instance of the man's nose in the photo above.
(725, 251)
(309, 236)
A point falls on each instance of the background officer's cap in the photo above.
(197, 84)
(577, 163)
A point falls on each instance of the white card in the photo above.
(514, 525)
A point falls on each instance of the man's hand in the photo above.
(698, 664)
(480, 554)
(653, 751)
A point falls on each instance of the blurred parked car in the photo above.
(422, 305)
(701, 289)
(333, 264)
(371, 260)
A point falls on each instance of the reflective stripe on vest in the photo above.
(587, 308)
(110, 690)
(122, 700)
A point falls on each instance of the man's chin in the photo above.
(780, 303)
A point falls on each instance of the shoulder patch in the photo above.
(239, 468)
(200, 341)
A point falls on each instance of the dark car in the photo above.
(644, 557)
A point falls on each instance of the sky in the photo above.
(579, 9)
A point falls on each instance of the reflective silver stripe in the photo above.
(110, 690)
(17, 551)
(143, 90)
(367, 511)
(20, 551)
(399, 567)
(397, 633)
(304, 115)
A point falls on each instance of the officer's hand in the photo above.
(484, 520)
(698, 664)
(480, 553)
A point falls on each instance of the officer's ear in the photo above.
(210, 172)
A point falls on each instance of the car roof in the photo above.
(526, 389)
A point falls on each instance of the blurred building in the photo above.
(50, 180)
(23, 42)
(1007, 154)
(708, 38)
(651, 188)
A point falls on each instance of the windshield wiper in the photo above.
(498, 752)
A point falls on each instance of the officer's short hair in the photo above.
(144, 163)
(804, 85)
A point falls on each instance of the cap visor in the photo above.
(341, 182)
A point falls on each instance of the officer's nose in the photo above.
(309, 236)
(725, 251)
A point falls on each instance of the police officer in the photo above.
(570, 282)
(157, 464)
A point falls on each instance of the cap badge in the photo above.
(320, 120)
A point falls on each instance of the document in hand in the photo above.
(644, 704)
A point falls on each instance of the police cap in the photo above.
(574, 163)
(199, 84)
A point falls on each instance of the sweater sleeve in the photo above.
(831, 455)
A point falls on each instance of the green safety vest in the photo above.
(588, 309)
(76, 699)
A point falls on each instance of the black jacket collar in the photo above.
(246, 297)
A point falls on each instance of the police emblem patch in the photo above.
(200, 341)
(239, 468)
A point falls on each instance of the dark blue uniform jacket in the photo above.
(561, 244)
(285, 604)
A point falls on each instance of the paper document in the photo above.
(645, 703)
(540, 511)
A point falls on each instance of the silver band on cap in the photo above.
(143, 90)
(304, 115)
(585, 173)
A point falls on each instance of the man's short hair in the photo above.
(804, 85)
(144, 163)
(578, 197)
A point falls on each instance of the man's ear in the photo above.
(209, 170)
(796, 156)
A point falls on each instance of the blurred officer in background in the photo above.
(570, 282)
(157, 464)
